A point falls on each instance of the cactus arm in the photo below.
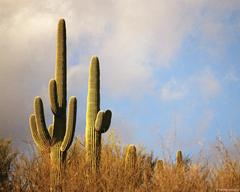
(99, 120)
(71, 123)
(103, 121)
(60, 73)
(53, 96)
(40, 121)
(106, 121)
(33, 127)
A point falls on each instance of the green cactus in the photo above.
(58, 137)
(130, 158)
(97, 122)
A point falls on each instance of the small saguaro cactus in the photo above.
(97, 122)
(179, 159)
(159, 166)
(58, 137)
(158, 169)
(130, 158)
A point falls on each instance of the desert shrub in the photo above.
(227, 168)
(32, 173)
(7, 157)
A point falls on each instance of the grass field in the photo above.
(21, 173)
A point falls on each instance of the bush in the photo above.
(7, 157)
(32, 174)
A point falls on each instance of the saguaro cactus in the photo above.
(158, 166)
(58, 138)
(130, 158)
(97, 122)
(158, 170)
(179, 159)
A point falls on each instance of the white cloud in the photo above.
(172, 90)
(204, 83)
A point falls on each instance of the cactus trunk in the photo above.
(97, 122)
(93, 138)
(58, 138)
(57, 158)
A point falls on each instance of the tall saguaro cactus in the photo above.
(97, 122)
(58, 137)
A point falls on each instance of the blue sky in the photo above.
(169, 69)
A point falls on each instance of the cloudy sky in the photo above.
(170, 70)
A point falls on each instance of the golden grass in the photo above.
(32, 174)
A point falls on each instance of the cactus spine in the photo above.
(58, 138)
(131, 158)
(97, 122)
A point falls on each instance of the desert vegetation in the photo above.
(92, 164)
(22, 173)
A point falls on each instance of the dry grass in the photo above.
(7, 157)
(32, 174)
